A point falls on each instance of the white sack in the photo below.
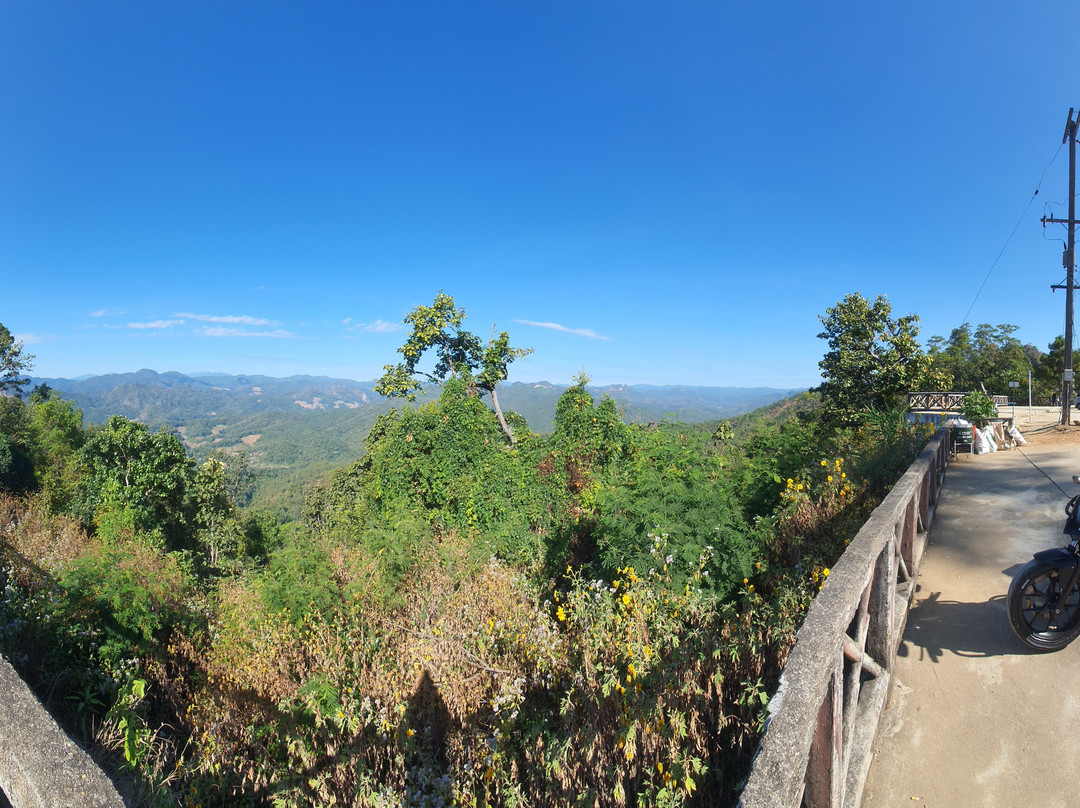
(1018, 439)
(983, 441)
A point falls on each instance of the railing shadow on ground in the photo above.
(936, 627)
(818, 743)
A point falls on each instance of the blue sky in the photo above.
(652, 192)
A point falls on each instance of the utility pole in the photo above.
(1069, 260)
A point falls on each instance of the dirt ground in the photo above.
(1050, 434)
(1053, 435)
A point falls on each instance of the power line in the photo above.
(1002, 252)
(1019, 221)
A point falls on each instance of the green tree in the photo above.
(438, 329)
(14, 364)
(16, 468)
(58, 436)
(586, 434)
(991, 357)
(220, 486)
(127, 467)
(219, 531)
(16, 463)
(873, 358)
(1049, 371)
(1003, 358)
(954, 358)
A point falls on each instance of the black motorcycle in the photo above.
(1044, 597)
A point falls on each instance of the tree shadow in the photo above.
(427, 763)
(430, 714)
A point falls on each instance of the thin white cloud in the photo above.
(231, 319)
(381, 327)
(377, 327)
(157, 324)
(106, 313)
(28, 339)
(221, 331)
(581, 332)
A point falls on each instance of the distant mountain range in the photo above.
(295, 430)
(174, 399)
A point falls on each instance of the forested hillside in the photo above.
(296, 429)
(471, 611)
(173, 399)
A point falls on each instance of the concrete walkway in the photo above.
(974, 719)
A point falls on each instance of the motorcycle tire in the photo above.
(1034, 589)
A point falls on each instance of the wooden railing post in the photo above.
(882, 601)
(824, 769)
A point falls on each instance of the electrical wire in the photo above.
(1052, 159)
(1013, 233)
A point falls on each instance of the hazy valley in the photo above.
(297, 428)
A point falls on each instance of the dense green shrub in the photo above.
(978, 407)
(300, 580)
(673, 484)
(137, 593)
(447, 463)
(774, 450)
(16, 468)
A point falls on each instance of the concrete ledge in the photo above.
(40, 766)
(824, 717)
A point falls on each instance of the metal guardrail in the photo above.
(824, 718)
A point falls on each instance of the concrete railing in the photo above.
(40, 766)
(943, 402)
(824, 718)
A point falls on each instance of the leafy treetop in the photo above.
(438, 328)
(872, 359)
(991, 357)
(14, 364)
